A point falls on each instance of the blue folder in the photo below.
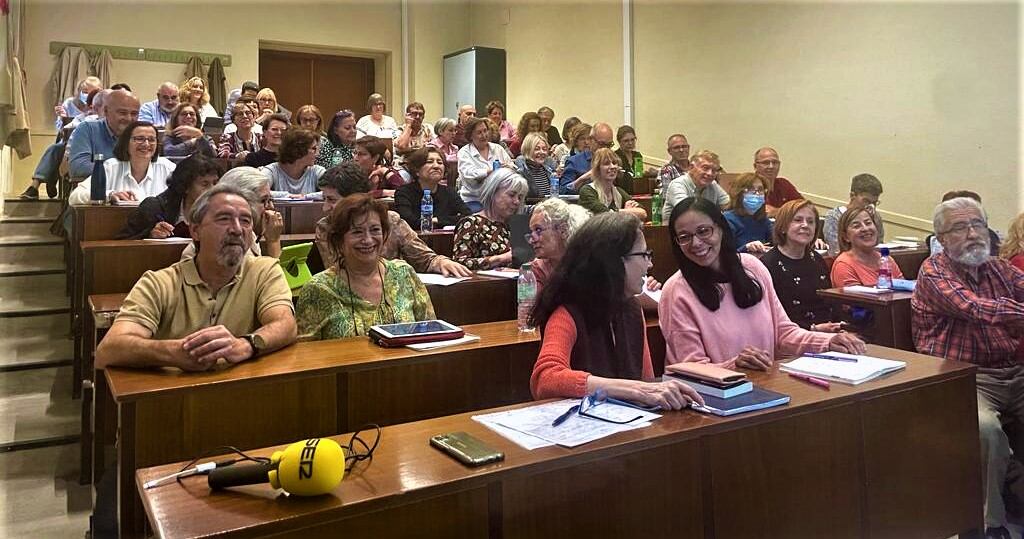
(758, 399)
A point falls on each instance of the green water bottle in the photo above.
(656, 205)
(638, 166)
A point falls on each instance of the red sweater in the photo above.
(552, 375)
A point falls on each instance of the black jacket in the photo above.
(448, 206)
(164, 207)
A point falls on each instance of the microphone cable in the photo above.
(355, 456)
(242, 457)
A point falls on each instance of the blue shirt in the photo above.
(71, 109)
(87, 139)
(575, 167)
(747, 229)
(151, 112)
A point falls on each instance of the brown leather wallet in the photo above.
(706, 371)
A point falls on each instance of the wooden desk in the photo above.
(891, 315)
(659, 241)
(300, 216)
(910, 260)
(895, 457)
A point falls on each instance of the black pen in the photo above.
(562, 418)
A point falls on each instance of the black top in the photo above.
(554, 137)
(261, 158)
(448, 207)
(163, 207)
(612, 350)
(797, 282)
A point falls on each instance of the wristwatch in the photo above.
(256, 342)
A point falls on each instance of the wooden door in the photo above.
(330, 82)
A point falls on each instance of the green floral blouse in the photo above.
(328, 309)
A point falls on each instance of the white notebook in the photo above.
(848, 372)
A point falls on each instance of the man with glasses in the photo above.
(577, 167)
(699, 181)
(90, 138)
(865, 190)
(779, 189)
(414, 134)
(158, 111)
(969, 306)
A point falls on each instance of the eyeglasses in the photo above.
(535, 232)
(144, 140)
(755, 190)
(704, 232)
(649, 255)
(604, 144)
(769, 162)
(962, 228)
(589, 407)
(188, 114)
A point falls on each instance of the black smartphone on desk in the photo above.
(466, 448)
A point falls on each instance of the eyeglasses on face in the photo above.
(704, 232)
(648, 254)
(536, 232)
(977, 225)
(144, 140)
(769, 162)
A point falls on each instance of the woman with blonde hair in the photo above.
(268, 105)
(602, 194)
(1013, 246)
(193, 91)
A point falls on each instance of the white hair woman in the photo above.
(552, 223)
(482, 240)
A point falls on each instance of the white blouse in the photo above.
(119, 178)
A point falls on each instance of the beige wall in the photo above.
(437, 28)
(923, 95)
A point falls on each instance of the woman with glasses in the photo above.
(797, 271)
(593, 334)
(308, 117)
(627, 152)
(482, 240)
(721, 307)
(135, 171)
(268, 106)
(362, 288)
(552, 224)
(376, 123)
(340, 141)
(602, 194)
(183, 136)
(166, 215)
(244, 139)
(426, 166)
(747, 218)
(858, 261)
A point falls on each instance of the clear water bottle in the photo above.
(554, 185)
(427, 212)
(98, 181)
(527, 296)
(336, 157)
(656, 204)
(884, 271)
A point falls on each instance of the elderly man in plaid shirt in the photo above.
(970, 307)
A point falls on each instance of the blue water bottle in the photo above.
(495, 165)
(427, 212)
(98, 181)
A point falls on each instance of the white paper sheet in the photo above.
(506, 274)
(420, 347)
(433, 278)
(576, 430)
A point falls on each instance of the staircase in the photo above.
(40, 422)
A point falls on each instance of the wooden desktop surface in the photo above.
(891, 312)
(895, 457)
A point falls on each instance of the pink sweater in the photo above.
(693, 333)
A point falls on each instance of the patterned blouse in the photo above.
(328, 309)
(325, 156)
(797, 283)
(477, 237)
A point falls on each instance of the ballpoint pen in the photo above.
(832, 358)
(562, 418)
(811, 379)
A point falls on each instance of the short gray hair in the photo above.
(442, 124)
(247, 179)
(503, 179)
(564, 217)
(202, 204)
(959, 203)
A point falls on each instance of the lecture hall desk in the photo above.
(895, 457)
(891, 315)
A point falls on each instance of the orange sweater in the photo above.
(552, 375)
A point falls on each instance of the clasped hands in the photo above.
(200, 351)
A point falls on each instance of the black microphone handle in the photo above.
(238, 475)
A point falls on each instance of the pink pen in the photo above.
(810, 379)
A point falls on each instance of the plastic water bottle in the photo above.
(336, 157)
(656, 205)
(98, 181)
(527, 296)
(554, 184)
(427, 212)
(495, 165)
(884, 271)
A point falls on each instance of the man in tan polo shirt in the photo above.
(219, 305)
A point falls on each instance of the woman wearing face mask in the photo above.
(340, 142)
(602, 194)
(858, 262)
(717, 292)
(362, 288)
(594, 337)
(747, 219)
(798, 272)
(536, 165)
(426, 165)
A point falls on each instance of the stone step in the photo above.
(51, 326)
(40, 494)
(42, 267)
(33, 295)
(48, 252)
(16, 207)
(25, 226)
(37, 404)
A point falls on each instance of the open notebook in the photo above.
(851, 372)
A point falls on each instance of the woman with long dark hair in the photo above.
(721, 307)
(166, 214)
(594, 336)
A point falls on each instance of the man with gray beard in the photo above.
(969, 306)
(221, 304)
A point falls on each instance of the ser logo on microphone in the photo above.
(306, 458)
